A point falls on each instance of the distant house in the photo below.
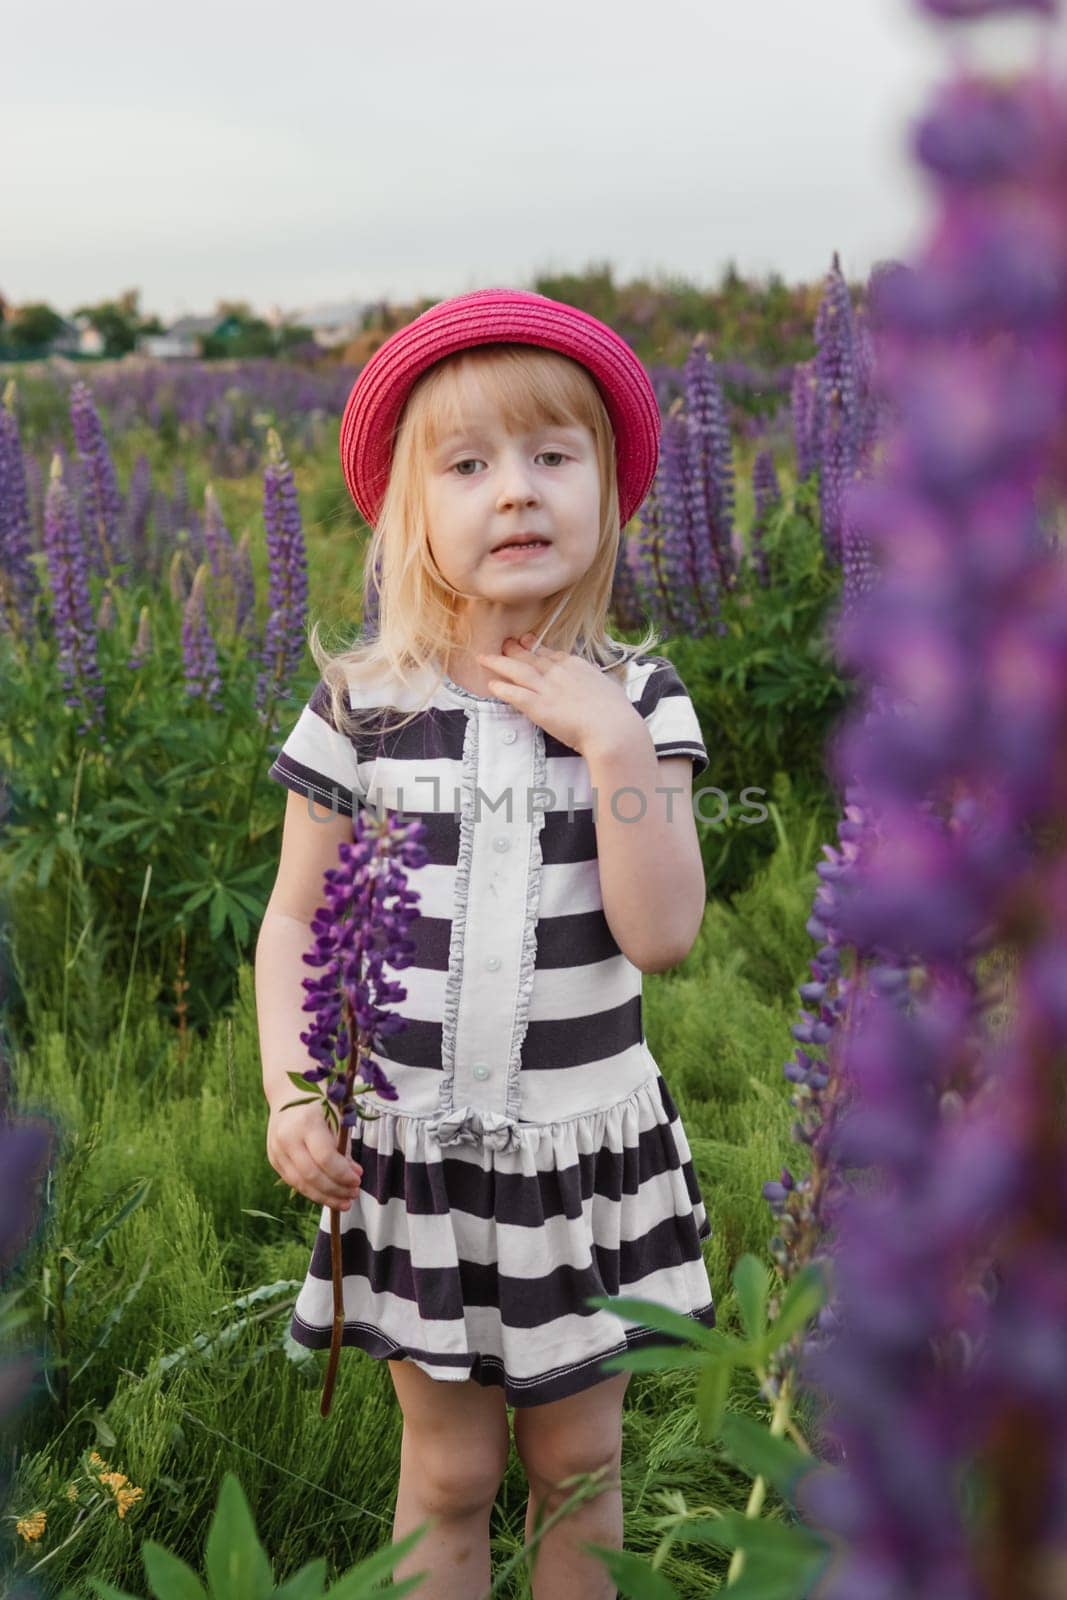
(183, 338)
(77, 337)
(331, 325)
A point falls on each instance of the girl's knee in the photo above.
(454, 1477)
(567, 1438)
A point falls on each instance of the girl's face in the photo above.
(484, 484)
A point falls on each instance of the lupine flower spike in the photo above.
(287, 592)
(359, 931)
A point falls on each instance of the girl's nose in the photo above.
(517, 491)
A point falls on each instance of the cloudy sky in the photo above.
(337, 150)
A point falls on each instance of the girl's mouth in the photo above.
(520, 552)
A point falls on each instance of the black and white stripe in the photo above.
(471, 1259)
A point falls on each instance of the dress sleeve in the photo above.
(670, 715)
(319, 760)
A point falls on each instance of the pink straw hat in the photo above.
(495, 316)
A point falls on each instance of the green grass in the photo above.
(182, 1144)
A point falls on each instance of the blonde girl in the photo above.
(533, 1158)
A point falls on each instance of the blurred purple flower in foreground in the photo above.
(945, 1381)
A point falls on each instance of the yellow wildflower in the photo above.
(97, 1459)
(125, 1498)
(31, 1527)
(125, 1492)
(72, 1491)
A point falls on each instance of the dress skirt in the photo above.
(475, 1262)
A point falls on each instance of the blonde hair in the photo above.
(419, 617)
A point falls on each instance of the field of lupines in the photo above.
(874, 627)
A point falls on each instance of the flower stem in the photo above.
(758, 1493)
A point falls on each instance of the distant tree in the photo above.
(731, 281)
(240, 333)
(33, 326)
(292, 333)
(592, 290)
(118, 321)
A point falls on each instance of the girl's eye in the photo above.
(469, 461)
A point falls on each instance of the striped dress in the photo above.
(534, 1156)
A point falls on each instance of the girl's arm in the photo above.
(651, 871)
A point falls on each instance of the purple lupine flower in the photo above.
(142, 645)
(802, 406)
(711, 453)
(836, 376)
(244, 587)
(677, 537)
(34, 497)
(217, 539)
(19, 589)
(625, 602)
(768, 494)
(135, 522)
(199, 655)
(72, 611)
(857, 557)
(648, 558)
(283, 645)
(26, 1148)
(867, 400)
(361, 929)
(103, 504)
(949, 1366)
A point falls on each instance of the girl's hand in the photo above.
(302, 1150)
(564, 694)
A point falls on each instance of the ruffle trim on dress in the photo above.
(464, 862)
(528, 958)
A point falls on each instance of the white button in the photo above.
(501, 842)
(480, 1070)
(509, 735)
(492, 962)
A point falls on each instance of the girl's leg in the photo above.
(580, 1434)
(453, 1456)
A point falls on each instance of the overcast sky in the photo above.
(336, 150)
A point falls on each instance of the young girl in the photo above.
(534, 1156)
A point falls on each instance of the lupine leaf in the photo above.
(357, 1580)
(713, 1386)
(169, 1578)
(656, 1359)
(751, 1285)
(237, 1564)
(633, 1575)
(661, 1318)
(760, 1452)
